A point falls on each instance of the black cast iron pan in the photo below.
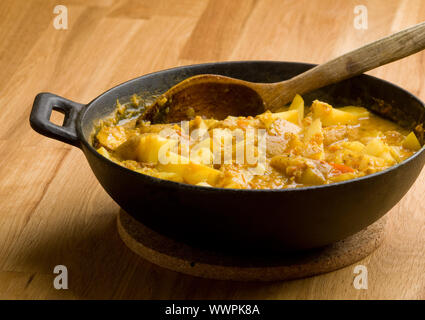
(290, 219)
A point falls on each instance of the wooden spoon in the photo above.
(215, 96)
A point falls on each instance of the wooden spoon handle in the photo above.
(368, 57)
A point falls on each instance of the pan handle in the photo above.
(42, 108)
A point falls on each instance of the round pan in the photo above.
(289, 219)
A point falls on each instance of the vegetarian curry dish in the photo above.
(296, 147)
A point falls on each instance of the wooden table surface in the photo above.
(54, 212)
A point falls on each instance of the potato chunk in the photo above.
(196, 173)
(358, 111)
(151, 146)
(331, 116)
(314, 132)
(290, 115)
(201, 155)
(104, 153)
(376, 147)
(298, 104)
(411, 142)
(313, 140)
(192, 173)
(111, 137)
(291, 166)
(312, 177)
(355, 146)
(147, 147)
(371, 164)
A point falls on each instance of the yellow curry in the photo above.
(298, 146)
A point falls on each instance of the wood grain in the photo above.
(53, 211)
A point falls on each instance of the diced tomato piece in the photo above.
(341, 167)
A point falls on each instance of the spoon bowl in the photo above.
(210, 96)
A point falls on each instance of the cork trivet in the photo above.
(168, 253)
